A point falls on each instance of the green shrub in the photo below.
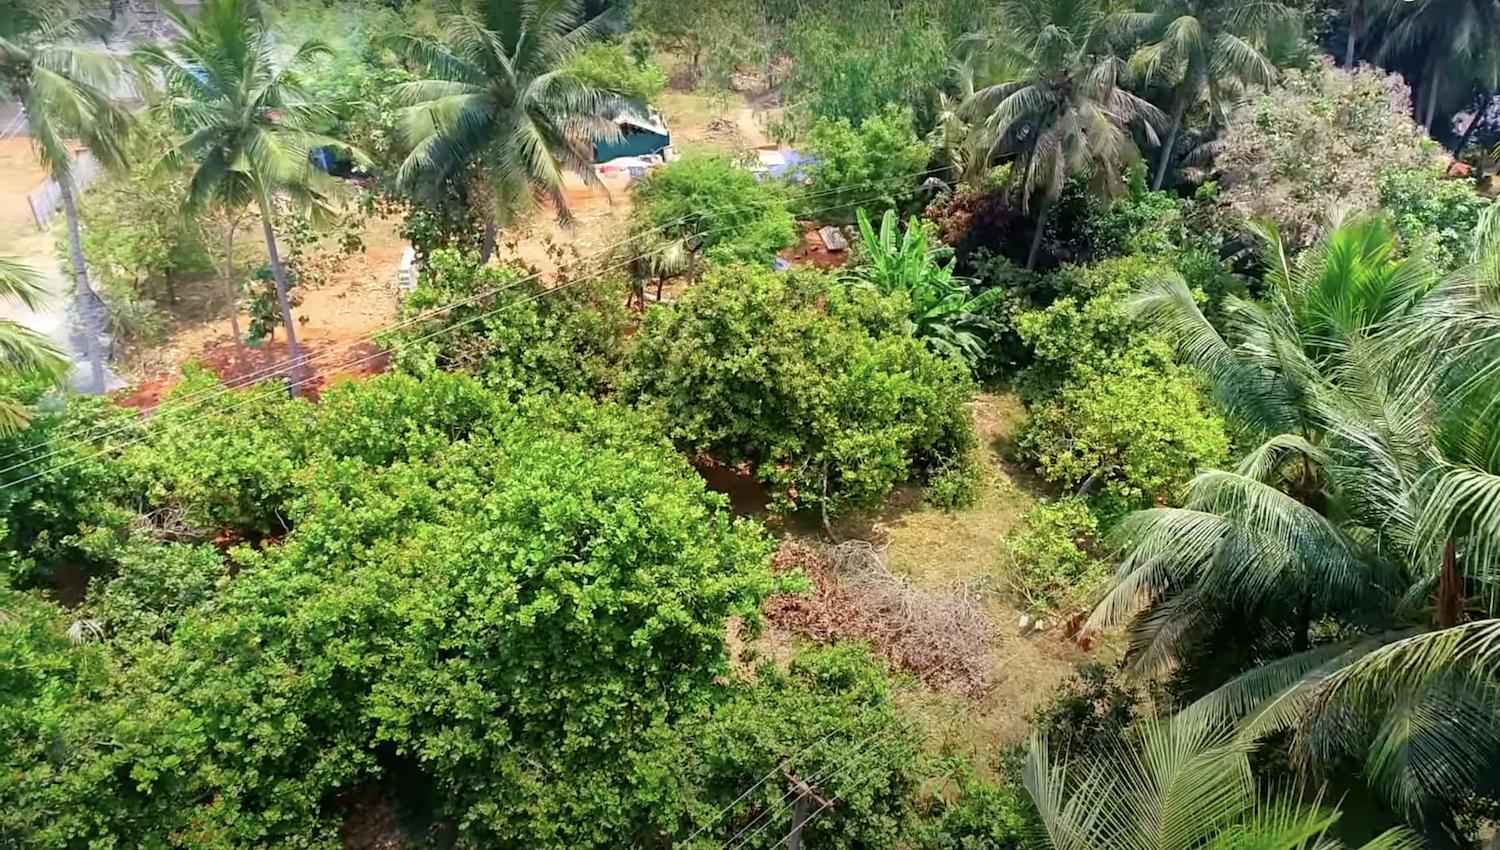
(1085, 326)
(1434, 217)
(874, 165)
(229, 462)
(975, 814)
(1051, 559)
(740, 218)
(777, 724)
(546, 590)
(509, 330)
(820, 388)
(956, 483)
(154, 586)
(1090, 714)
(610, 67)
(1132, 434)
(61, 484)
(853, 64)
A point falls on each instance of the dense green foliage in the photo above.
(1053, 556)
(1134, 434)
(488, 601)
(853, 65)
(818, 386)
(943, 312)
(736, 217)
(488, 537)
(499, 323)
(871, 166)
(609, 67)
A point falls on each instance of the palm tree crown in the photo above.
(66, 90)
(497, 109)
(1202, 49)
(23, 352)
(248, 125)
(1067, 113)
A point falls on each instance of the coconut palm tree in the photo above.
(497, 108)
(66, 90)
(1268, 545)
(23, 352)
(1202, 50)
(1183, 783)
(237, 95)
(1451, 37)
(1397, 547)
(1067, 113)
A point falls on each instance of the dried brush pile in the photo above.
(942, 636)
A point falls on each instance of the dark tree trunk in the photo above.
(1302, 629)
(1178, 108)
(1450, 595)
(1036, 238)
(88, 302)
(491, 238)
(1481, 109)
(284, 299)
(1350, 41)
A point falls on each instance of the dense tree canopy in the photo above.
(1152, 320)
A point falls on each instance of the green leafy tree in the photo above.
(609, 67)
(1132, 433)
(24, 353)
(819, 388)
(238, 96)
(1067, 113)
(519, 338)
(1203, 50)
(66, 89)
(943, 312)
(498, 109)
(855, 63)
(1051, 559)
(717, 208)
(1436, 218)
(874, 165)
(446, 559)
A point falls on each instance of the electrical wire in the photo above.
(367, 358)
(247, 380)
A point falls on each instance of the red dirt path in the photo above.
(327, 359)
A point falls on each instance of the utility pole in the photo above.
(806, 795)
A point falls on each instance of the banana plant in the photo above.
(944, 312)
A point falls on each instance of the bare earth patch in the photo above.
(940, 550)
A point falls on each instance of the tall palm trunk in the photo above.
(1036, 239)
(229, 285)
(1178, 108)
(283, 297)
(1450, 595)
(491, 237)
(88, 303)
(1434, 83)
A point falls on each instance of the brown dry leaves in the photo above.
(942, 636)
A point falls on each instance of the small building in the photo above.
(640, 135)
